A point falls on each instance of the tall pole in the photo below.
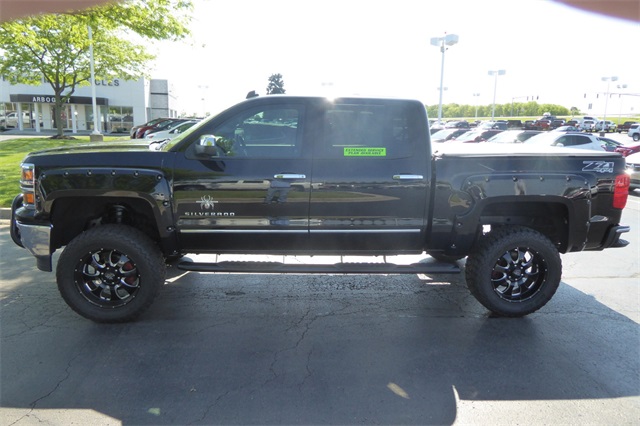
(606, 102)
(442, 49)
(449, 40)
(495, 73)
(95, 135)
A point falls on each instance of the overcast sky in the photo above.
(382, 48)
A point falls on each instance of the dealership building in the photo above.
(121, 104)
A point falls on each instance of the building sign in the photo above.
(50, 99)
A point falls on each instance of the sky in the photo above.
(550, 51)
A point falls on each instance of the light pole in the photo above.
(476, 102)
(449, 40)
(606, 101)
(620, 87)
(495, 73)
(95, 136)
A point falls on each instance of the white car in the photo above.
(605, 126)
(11, 119)
(568, 140)
(171, 132)
(633, 170)
(587, 125)
(634, 132)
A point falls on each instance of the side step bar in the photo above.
(428, 266)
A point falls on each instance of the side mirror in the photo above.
(207, 146)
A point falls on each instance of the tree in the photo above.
(276, 85)
(56, 47)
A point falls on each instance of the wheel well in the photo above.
(550, 219)
(71, 216)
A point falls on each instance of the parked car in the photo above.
(574, 123)
(446, 134)
(134, 130)
(627, 150)
(513, 136)
(478, 135)
(634, 131)
(11, 119)
(164, 125)
(542, 124)
(633, 170)
(529, 125)
(605, 126)
(624, 127)
(457, 125)
(587, 125)
(514, 124)
(568, 140)
(173, 131)
(556, 123)
(566, 129)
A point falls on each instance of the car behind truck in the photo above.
(312, 176)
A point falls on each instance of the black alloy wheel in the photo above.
(110, 273)
(514, 271)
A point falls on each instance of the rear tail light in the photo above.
(27, 185)
(621, 191)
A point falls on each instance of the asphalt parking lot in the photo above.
(327, 349)
(321, 349)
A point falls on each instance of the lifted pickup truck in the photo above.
(311, 176)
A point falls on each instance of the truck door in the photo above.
(243, 183)
(371, 170)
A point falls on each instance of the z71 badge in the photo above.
(598, 166)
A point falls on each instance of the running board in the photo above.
(428, 266)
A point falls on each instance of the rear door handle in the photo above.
(408, 177)
(289, 176)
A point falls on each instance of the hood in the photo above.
(95, 147)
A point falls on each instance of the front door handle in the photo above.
(289, 176)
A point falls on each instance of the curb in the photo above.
(5, 214)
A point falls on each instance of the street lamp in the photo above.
(476, 102)
(606, 101)
(621, 87)
(495, 73)
(449, 40)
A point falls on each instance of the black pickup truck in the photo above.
(311, 176)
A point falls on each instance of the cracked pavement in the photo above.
(324, 349)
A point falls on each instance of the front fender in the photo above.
(114, 183)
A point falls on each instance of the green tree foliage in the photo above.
(55, 48)
(516, 109)
(276, 85)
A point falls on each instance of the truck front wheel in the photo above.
(513, 271)
(110, 273)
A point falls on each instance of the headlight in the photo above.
(27, 185)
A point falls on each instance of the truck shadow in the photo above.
(304, 349)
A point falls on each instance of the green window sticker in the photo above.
(365, 152)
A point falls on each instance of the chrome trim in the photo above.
(35, 238)
(366, 231)
(301, 231)
(242, 231)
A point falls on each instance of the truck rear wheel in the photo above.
(513, 271)
(110, 273)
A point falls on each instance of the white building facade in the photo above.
(121, 103)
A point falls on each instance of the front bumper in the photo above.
(35, 237)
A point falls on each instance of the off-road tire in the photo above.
(513, 271)
(110, 273)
